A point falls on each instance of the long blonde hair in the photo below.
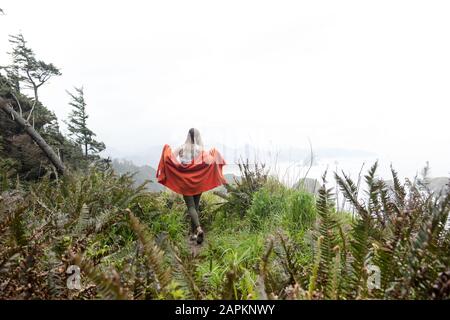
(193, 139)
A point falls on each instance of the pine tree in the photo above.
(26, 71)
(77, 126)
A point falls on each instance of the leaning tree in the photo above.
(27, 72)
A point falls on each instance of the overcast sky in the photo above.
(362, 75)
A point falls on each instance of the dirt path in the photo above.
(195, 248)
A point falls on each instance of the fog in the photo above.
(370, 79)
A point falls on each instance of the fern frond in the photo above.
(360, 250)
(261, 280)
(328, 232)
(290, 260)
(315, 270)
(154, 255)
(350, 191)
(107, 287)
(83, 221)
(186, 269)
(399, 189)
(335, 276)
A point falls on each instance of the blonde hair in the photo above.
(193, 140)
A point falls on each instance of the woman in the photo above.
(187, 153)
(190, 171)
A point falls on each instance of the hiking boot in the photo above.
(193, 237)
(200, 235)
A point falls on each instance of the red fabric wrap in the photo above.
(203, 174)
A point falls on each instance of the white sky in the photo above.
(369, 75)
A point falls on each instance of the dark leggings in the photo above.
(193, 205)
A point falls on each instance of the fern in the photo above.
(360, 250)
(328, 229)
(333, 287)
(424, 260)
(154, 255)
(107, 287)
(261, 280)
(399, 190)
(186, 270)
(83, 222)
(350, 191)
(315, 270)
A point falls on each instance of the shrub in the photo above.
(239, 195)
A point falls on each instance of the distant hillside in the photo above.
(142, 173)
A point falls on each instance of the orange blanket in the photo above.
(203, 174)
